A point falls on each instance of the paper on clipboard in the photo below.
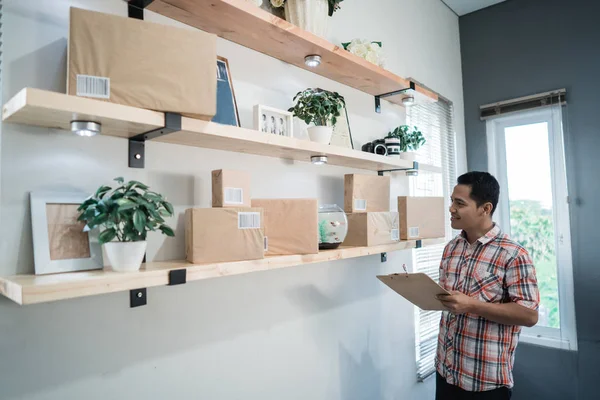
(417, 288)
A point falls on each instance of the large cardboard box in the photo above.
(422, 217)
(142, 64)
(372, 229)
(224, 234)
(366, 193)
(291, 225)
(230, 188)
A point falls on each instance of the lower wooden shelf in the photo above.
(32, 289)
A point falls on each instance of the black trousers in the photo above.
(446, 391)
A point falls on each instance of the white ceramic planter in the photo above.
(320, 134)
(125, 256)
(408, 155)
(310, 15)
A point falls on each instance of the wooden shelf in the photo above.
(31, 289)
(56, 110)
(240, 21)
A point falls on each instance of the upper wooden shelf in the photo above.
(31, 289)
(240, 21)
(56, 110)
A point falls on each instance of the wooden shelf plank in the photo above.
(242, 22)
(31, 289)
(56, 110)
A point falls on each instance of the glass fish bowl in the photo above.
(333, 226)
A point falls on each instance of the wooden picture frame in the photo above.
(227, 111)
(273, 121)
(59, 242)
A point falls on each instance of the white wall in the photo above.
(325, 331)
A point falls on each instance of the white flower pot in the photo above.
(408, 155)
(125, 256)
(310, 15)
(320, 134)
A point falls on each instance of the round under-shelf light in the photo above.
(408, 101)
(312, 61)
(412, 172)
(318, 160)
(85, 128)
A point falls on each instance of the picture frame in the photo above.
(227, 111)
(59, 242)
(342, 135)
(274, 121)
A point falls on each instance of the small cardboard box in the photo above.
(422, 217)
(230, 188)
(291, 225)
(142, 64)
(224, 234)
(372, 229)
(366, 193)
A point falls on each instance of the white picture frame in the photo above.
(273, 121)
(42, 232)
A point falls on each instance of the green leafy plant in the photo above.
(127, 213)
(322, 231)
(410, 138)
(334, 5)
(318, 106)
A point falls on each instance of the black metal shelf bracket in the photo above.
(137, 144)
(419, 244)
(137, 297)
(414, 169)
(177, 277)
(378, 98)
(135, 8)
(383, 257)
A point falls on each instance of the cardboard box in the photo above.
(422, 217)
(142, 64)
(372, 229)
(366, 193)
(230, 188)
(224, 234)
(291, 225)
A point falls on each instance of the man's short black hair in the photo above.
(484, 187)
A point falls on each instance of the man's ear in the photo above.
(487, 208)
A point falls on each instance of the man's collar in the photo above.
(488, 237)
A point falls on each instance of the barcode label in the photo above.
(248, 220)
(266, 243)
(360, 205)
(234, 195)
(413, 231)
(395, 234)
(93, 86)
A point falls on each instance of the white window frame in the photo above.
(564, 337)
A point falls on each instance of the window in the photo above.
(526, 154)
(435, 121)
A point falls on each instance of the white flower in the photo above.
(258, 3)
(277, 3)
(370, 51)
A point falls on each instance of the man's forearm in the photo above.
(505, 313)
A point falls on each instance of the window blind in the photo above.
(435, 121)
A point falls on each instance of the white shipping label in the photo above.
(413, 231)
(395, 234)
(360, 205)
(234, 195)
(248, 220)
(93, 86)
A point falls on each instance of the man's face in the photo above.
(464, 212)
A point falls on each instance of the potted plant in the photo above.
(405, 141)
(320, 107)
(126, 214)
(310, 15)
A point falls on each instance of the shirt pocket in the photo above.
(487, 285)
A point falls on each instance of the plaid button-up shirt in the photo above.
(474, 353)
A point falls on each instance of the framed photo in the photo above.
(227, 111)
(274, 121)
(341, 135)
(59, 242)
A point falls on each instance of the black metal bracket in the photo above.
(137, 144)
(378, 98)
(135, 8)
(177, 277)
(415, 167)
(383, 257)
(137, 297)
(419, 244)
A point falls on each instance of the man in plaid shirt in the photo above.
(493, 292)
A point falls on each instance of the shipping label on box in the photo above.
(422, 217)
(366, 193)
(230, 188)
(372, 229)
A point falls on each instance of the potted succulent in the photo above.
(126, 215)
(406, 140)
(310, 15)
(321, 108)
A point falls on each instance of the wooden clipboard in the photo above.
(417, 288)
